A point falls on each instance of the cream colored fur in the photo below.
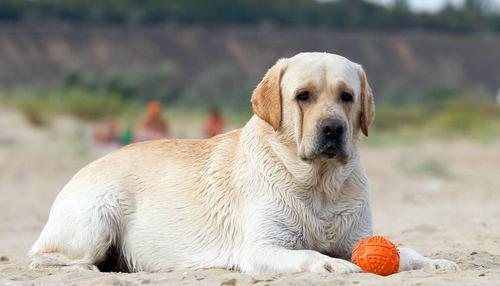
(255, 200)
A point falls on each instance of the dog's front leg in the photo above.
(278, 259)
(409, 259)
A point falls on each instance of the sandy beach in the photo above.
(440, 198)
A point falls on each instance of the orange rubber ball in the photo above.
(376, 254)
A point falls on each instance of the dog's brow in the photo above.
(341, 85)
(310, 86)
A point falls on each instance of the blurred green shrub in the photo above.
(39, 106)
(161, 81)
(444, 112)
(33, 109)
(466, 115)
(392, 117)
(224, 85)
(91, 106)
(402, 92)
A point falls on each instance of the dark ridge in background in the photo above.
(43, 53)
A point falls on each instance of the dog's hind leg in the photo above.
(79, 232)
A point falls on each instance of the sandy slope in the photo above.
(440, 198)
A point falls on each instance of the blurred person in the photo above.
(108, 134)
(154, 126)
(214, 124)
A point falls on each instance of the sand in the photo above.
(440, 198)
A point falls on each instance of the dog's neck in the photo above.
(319, 176)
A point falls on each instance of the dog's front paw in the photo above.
(334, 265)
(441, 266)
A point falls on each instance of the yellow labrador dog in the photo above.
(286, 193)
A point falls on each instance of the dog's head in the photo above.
(319, 100)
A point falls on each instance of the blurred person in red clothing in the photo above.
(154, 126)
(214, 124)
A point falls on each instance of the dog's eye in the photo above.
(304, 96)
(346, 97)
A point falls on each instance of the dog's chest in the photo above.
(332, 229)
(335, 225)
(329, 217)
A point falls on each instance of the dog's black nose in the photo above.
(332, 127)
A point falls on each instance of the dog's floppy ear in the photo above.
(266, 98)
(367, 114)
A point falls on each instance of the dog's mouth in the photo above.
(334, 152)
(328, 152)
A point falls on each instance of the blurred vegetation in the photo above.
(440, 112)
(224, 83)
(474, 15)
(39, 106)
(161, 81)
(434, 108)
